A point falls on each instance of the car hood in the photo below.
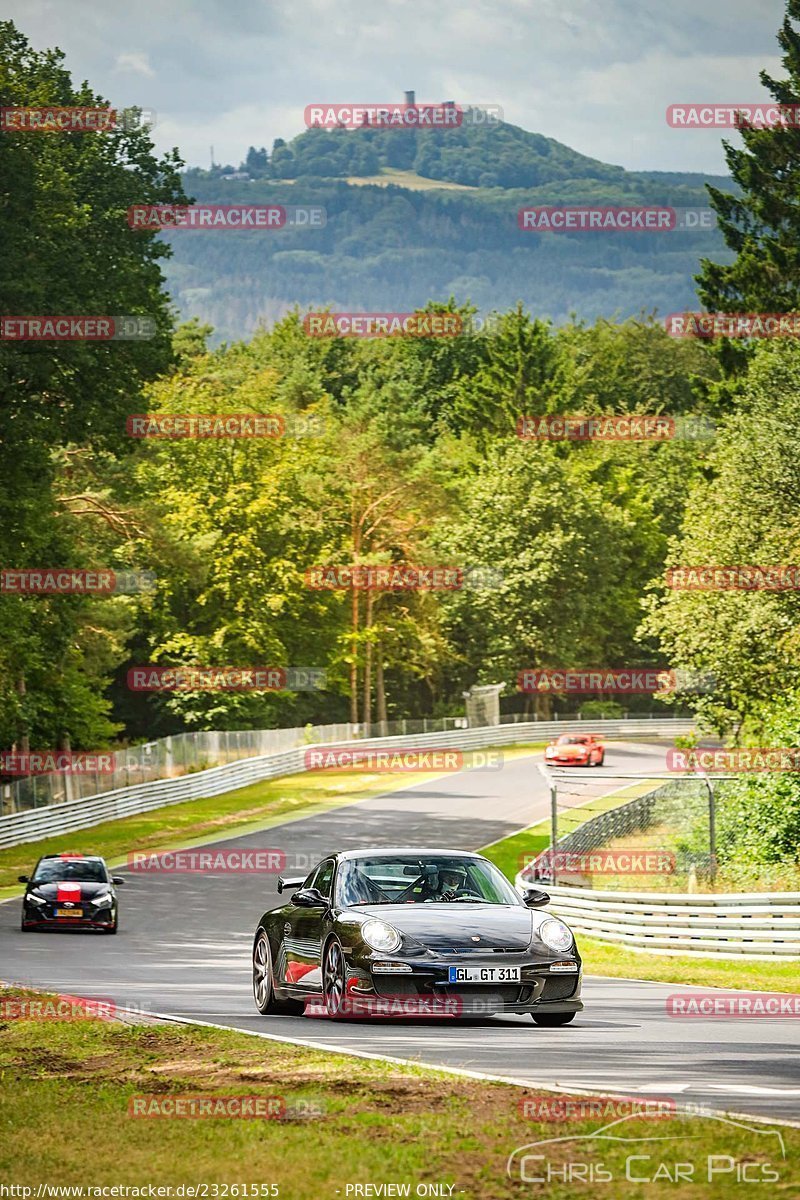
(74, 890)
(452, 926)
(568, 751)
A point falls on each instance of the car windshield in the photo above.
(421, 879)
(77, 870)
(572, 741)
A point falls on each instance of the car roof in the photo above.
(388, 850)
(66, 854)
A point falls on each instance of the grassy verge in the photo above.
(233, 813)
(730, 877)
(511, 853)
(600, 958)
(345, 1122)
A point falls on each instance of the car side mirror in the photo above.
(309, 898)
(118, 880)
(23, 878)
(289, 885)
(535, 898)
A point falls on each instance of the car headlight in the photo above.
(31, 898)
(380, 936)
(555, 934)
(104, 901)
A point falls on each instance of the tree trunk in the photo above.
(380, 692)
(368, 666)
(355, 534)
(354, 662)
(24, 737)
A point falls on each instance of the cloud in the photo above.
(597, 77)
(135, 62)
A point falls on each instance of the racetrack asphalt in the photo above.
(184, 945)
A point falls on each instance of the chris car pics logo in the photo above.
(626, 1151)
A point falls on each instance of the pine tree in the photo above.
(762, 223)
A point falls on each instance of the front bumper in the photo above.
(539, 990)
(45, 918)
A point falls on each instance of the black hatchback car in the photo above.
(69, 891)
(414, 932)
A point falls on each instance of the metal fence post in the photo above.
(712, 827)
(553, 828)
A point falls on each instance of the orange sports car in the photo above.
(575, 750)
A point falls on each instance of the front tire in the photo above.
(333, 978)
(263, 986)
(552, 1019)
(263, 990)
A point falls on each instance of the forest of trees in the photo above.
(413, 459)
(392, 248)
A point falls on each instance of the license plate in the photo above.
(69, 912)
(483, 975)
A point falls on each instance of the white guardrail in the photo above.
(53, 819)
(753, 925)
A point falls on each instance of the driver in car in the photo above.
(446, 884)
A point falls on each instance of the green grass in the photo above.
(259, 806)
(511, 853)
(600, 958)
(409, 179)
(66, 1088)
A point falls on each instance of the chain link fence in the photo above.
(185, 753)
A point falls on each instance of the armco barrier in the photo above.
(55, 819)
(742, 925)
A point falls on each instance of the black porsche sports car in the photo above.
(372, 928)
(68, 891)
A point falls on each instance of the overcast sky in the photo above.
(595, 74)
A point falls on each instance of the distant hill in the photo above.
(386, 247)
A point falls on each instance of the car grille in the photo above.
(559, 987)
(479, 948)
(507, 993)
